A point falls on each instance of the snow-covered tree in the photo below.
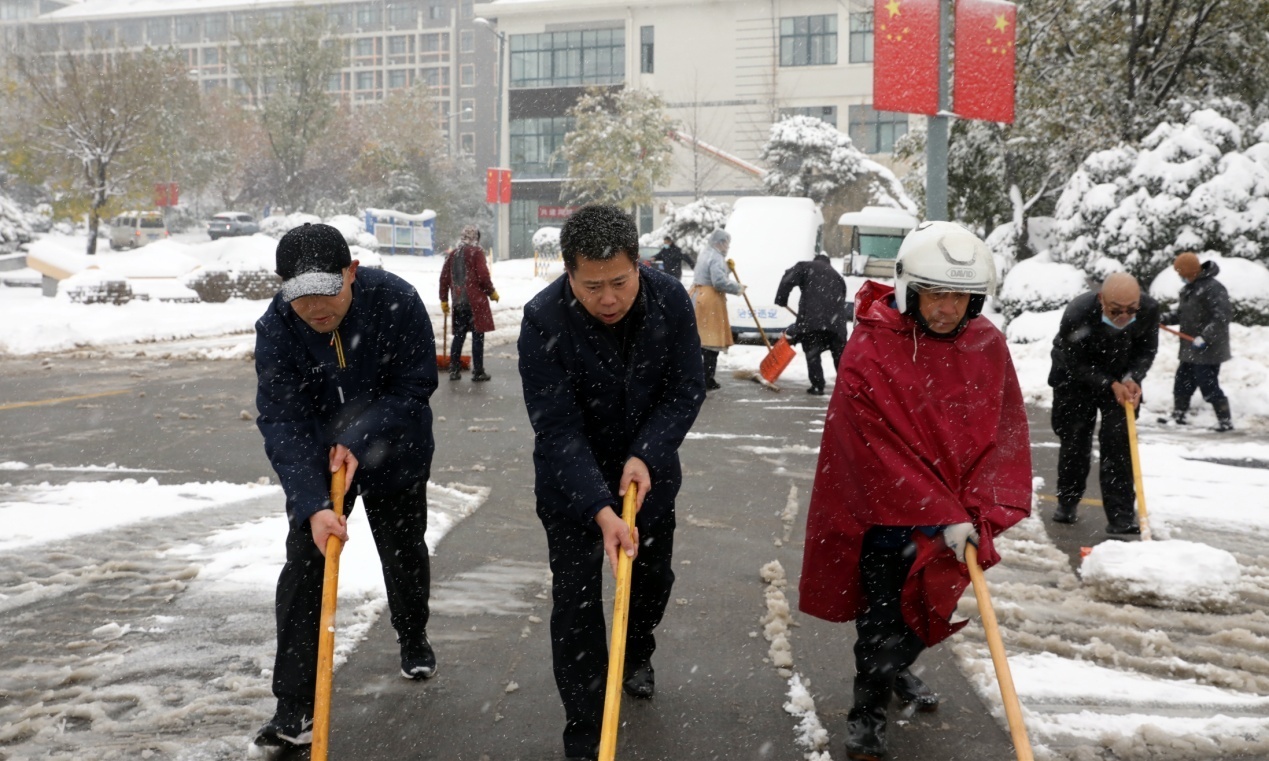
(619, 150)
(689, 225)
(813, 159)
(1199, 186)
(96, 112)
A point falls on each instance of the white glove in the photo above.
(957, 536)
(1199, 343)
(743, 288)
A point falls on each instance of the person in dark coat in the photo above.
(822, 314)
(672, 258)
(1203, 311)
(613, 380)
(346, 365)
(465, 281)
(1105, 345)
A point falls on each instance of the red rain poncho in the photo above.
(919, 432)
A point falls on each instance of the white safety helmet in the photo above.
(946, 257)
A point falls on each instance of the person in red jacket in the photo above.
(925, 450)
(465, 276)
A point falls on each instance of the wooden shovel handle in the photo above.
(1008, 695)
(617, 649)
(326, 629)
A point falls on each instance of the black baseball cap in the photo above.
(311, 260)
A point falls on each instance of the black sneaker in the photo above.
(417, 659)
(291, 726)
(455, 373)
(1127, 529)
(1179, 417)
(481, 376)
(1065, 514)
(640, 682)
(815, 391)
(711, 384)
(1224, 426)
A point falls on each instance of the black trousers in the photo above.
(816, 343)
(1191, 377)
(1075, 410)
(397, 522)
(579, 640)
(885, 644)
(464, 321)
(710, 358)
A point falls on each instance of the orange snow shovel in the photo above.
(1008, 695)
(1143, 518)
(326, 629)
(442, 357)
(617, 650)
(778, 356)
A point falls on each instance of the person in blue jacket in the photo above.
(346, 364)
(613, 379)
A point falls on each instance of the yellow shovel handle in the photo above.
(1008, 695)
(1143, 518)
(617, 649)
(326, 629)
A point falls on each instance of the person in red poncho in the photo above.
(465, 277)
(925, 450)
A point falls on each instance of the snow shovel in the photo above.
(778, 357)
(442, 358)
(617, 650)
(1143, 518)
(1008, 695)
(1177, 333)
(326, 629)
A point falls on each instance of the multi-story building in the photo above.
(388, 46)
(727, 69)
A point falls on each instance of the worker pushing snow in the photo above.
(925, 450)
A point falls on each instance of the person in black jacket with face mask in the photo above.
(1104, 348)
(345, 364)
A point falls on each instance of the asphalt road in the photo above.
(748, 468)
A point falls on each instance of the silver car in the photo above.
(230, 223)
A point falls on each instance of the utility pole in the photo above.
(936, 135)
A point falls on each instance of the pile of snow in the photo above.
(1173, 574)
(1246, 281)
(1039, 284)
(1197, 186)
(354, 231)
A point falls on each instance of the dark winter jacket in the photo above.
(592, 410)
(1089, 353)
(1203, 309)
(822, 303)
(374, 401)
(465, 281)
(673, 257)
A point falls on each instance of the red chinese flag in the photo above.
(905, 70)
(984, 67)
(491, 185)
(504, 186)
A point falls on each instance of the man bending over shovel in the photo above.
(613, 380)
(925, 450)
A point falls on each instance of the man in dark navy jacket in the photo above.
(613, 379)
(346, 363)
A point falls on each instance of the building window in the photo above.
(398, 79)
(437, 12)
(437, 79)
(211, 56)
(808, 40)
(467, 75)
(368, 16)
(468, 9)
(876, 131)
(340, 19)
(534, 143)
(434, 48)
(130, 33)
(861, 37)
(467, 41)
(334, 83)
(647, 39)
(559, 59)
(364, 47)
(400, 17)
(467, 143)
(216, 28)
(158, 31)
(826, 114)
(398, 45)
(467, 110)
(365, 81)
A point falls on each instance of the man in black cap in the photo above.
(346, 363)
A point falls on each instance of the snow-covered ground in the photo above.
(1144, 683)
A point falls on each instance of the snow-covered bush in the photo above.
(1039, 284)
(546, 241)
(1190, 187)
(15, 226)
(277, 225)
(1247, 283)
(689, 225)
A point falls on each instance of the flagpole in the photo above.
(937, 126)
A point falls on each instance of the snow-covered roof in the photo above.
(94, 9)
(879, 216)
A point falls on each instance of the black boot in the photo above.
(1065, 513)
(911, 690)
(1179, 411)
(1224, 418)
(866, 722)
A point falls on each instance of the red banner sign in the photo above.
(497, 186)
(167, 194)
(984, 87)
(556, 212)
(905, 73)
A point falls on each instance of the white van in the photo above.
(769, 234)
(133, 229)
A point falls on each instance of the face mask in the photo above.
(1113, 326)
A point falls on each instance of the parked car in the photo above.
(133, 229)
(229, 223)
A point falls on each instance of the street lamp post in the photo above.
(502, 42)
